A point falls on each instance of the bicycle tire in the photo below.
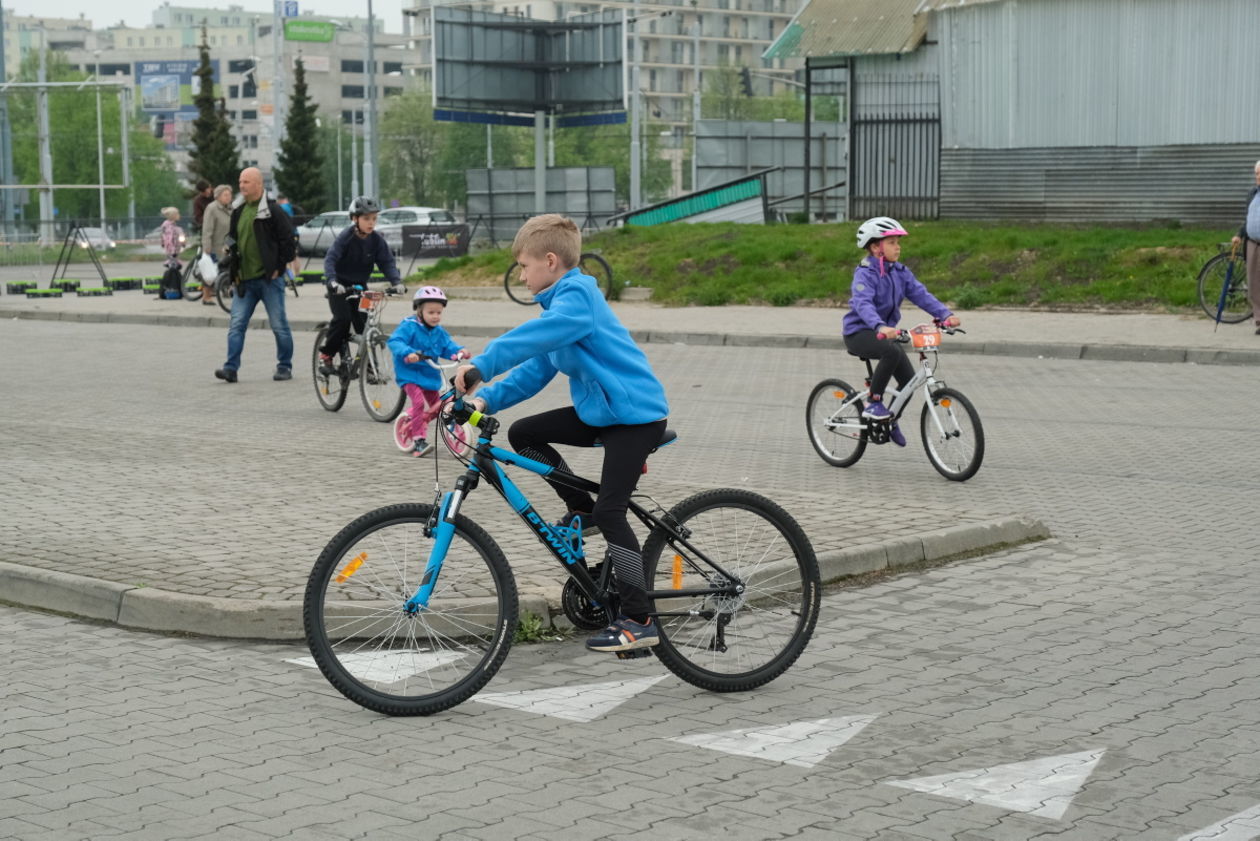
(836, 428)
(224, 292)
(515, 287)
(597, 267)
(377, 655)
(1210, 282)
(191, 281)
(382, 396)
(330, 389)
(957, 454)
(765, 629)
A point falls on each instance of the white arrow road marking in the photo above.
(803, 743)
(574, 703)
(1243, 826)
(388, 666)
(1042, 787)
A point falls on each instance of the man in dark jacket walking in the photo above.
(261, 236)
(1249, 238)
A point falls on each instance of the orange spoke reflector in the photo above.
(946, 402)
(839, 395)
(677, 581)
(351, 568)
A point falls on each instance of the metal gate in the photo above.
(895, 147)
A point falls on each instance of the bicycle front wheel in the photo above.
(224, 291)
(597, 267)
(382, 396)
(515, 287)
(737, 642)
(192, 281)
(330, 387)
(952, 434)
(373, 651)
(833, 416)
(1223, 286)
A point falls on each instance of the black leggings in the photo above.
(626, 447)
(893, 361)
(344, 312)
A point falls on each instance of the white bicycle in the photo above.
(456, 435)
(949, 424)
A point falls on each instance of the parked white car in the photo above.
(390, 222)
(316, 236)
(97, 236)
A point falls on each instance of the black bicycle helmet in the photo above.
(363, 205)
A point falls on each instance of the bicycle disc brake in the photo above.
(579, 609)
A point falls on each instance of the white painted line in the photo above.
(1041, 787)
(803, 743)
(573, 703)
(1243, 826)
(388, 666)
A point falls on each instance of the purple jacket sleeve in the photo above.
(917, 293)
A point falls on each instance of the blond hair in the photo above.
(169, 212)
(550, 232)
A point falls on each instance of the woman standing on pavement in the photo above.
(1249, 236)
(214, 230)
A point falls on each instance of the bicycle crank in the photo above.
(580, 610)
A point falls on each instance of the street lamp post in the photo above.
(369, 127)
(100, 141)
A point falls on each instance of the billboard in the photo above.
(320, 31)
(169, 86)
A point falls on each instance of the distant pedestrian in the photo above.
(261, 246)
(172, 234)
(1249, 237)
(214, 231)
(415, 341)
(200, 202)
(283, 201)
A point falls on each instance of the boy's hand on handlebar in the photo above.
(460, 383)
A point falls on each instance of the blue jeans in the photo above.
(248, 294)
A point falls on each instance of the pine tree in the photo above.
(299, 162)
(214, 156)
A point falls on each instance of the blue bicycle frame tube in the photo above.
(559, 546)
(442, 535)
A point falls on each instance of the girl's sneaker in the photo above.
(423, 448)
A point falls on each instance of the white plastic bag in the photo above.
(207, 268)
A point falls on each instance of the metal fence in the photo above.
(896, 146)
(500, 200)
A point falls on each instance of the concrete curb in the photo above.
(1048, 350)
(154, 609)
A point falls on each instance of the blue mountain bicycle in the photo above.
(411, 609)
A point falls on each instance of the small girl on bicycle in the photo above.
(416, 340)
(880, 284)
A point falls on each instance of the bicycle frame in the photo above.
(486, 463)
(924, 378)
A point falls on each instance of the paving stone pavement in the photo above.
(1129, 638)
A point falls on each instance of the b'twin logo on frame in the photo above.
(543, 531)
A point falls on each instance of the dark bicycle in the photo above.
(590, 263)
(1223, 287)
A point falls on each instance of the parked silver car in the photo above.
(390, 222)
(97, 236)
(316, 236)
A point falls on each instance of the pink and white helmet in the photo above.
(878, 228)
(428, 293)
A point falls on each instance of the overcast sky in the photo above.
(140, 12)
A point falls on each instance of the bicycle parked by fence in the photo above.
(949, 424)
(366, 358)
(1222, 287)
(590, 263)
(411, 609)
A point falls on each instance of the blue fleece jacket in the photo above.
(414, 336)
(877, 292)
(577, 334)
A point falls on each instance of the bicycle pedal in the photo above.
(634, 653)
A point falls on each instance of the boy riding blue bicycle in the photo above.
(880, 284)
(619, 404)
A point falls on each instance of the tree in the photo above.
(299, 163)
(214, 156)
(72, 118)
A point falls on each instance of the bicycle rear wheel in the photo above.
(367, 645)
(224, 291)
(330, 388)
(833, 416)
(952, 434)
(190, 283)
(382, 396)
(597, 267)
(515, 287)
(1213, 277)
(737, 642)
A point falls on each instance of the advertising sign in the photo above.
(169, 86)
(435, 240)
(309, 30)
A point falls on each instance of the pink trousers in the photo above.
(424, 408)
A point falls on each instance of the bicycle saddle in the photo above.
(669, 436)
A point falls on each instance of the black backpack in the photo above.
(172, 281)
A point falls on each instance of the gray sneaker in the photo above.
(282, 374)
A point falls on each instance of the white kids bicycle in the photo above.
(949, 424)
(456, 435)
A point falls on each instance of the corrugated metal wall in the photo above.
(1072, 73)
(1206, 184)
(499, 200)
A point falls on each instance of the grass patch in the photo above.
(967, 264)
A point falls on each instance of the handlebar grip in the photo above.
(472, 377)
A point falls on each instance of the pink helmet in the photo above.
(428, 293)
